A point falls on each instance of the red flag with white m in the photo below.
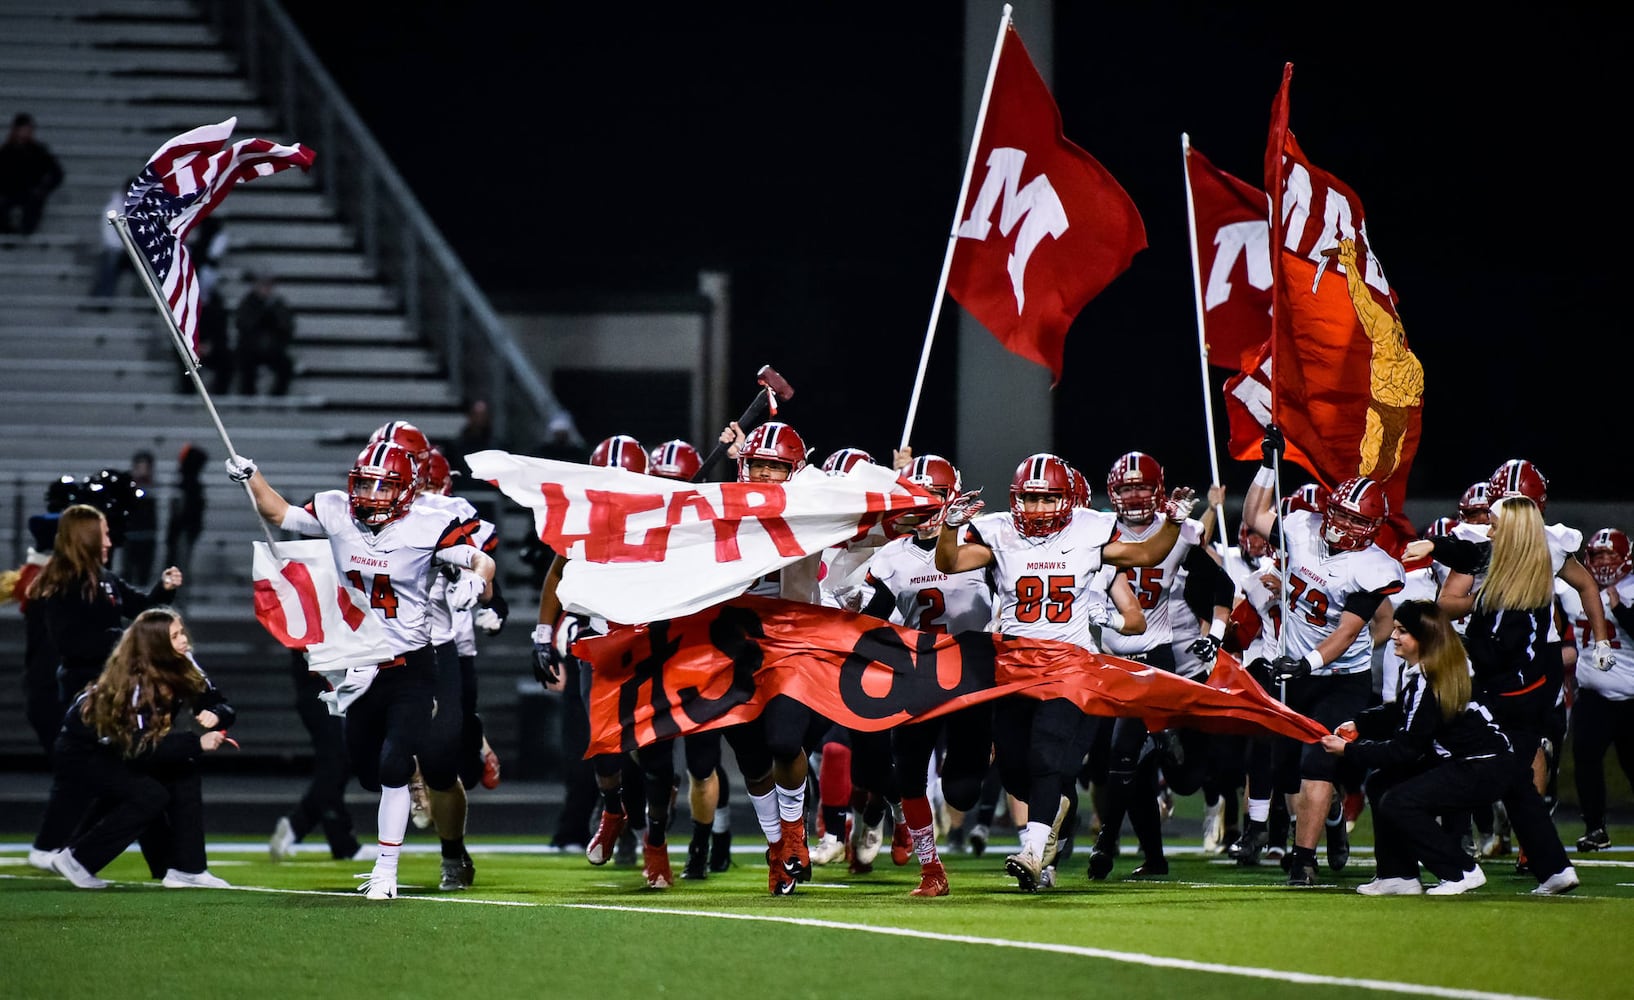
(1044, 227)
(1233, 234)
(181, 184)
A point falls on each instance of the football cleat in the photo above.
(1558, 884)
(1151, 867)
(1338, 837)
(490, 766)
(41, 859)
(1102, 857)
(1046, 878)
(1214, 828)
(65, 864)
(932, 880)
(796, 857)
(829, 849)
(1595, 840)
(720, 851)
(697, 866)
(655, 866)
(1392, 887)
(458, 873)
(624, 852)
(901, 844)
(378, 885)
(978, 839)
(602, 845)
(1027, 869)
(1251, 844)
(865, 843)
(282, 845)
(777, 877)
(1301, 873)
(1492, 845)
(1472, 879)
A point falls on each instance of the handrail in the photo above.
(398, 238)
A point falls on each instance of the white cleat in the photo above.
(68, 866)
(866, 842)
(41, 859)
(194, 880)
(1392, 887)
(827, 850)
(1214, 828)
(379, 886)
(1473, 879)
(282, 844)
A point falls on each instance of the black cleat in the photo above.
(697, 866)
(1151, 867)
(720, 851)
(1301, 873)
(1251, 845)
(1595, 840)
(1102, 857)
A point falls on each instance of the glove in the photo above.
(1260, 669)
(957, 512)
(488, 620)
(240, 469)
(1098, 614)
(1272, 445)
(465, 593)
(1288, 668)
(1180, 503)
(1205, 648)
(1603, 658)
(566, 633)
(547, 663)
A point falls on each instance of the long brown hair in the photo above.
(1521, 574)
(1440, 654)
(76, 556)
(132, 702)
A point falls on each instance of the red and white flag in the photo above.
(644, 548)
(302, 601)
(1045, 229)
(1338, 375)
(184, 182)
(1233, 234)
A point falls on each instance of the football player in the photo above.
(389, 541)
(1135, 488)
(1338, 585)
(1603, 714)
(1044, 554)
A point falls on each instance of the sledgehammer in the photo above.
(774, 388)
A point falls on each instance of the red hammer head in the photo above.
(768, 377)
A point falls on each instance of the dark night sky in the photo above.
(815, 153)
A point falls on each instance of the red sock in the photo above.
(834, 778)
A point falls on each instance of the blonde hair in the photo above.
(1440, 654)
(1520, 576)
(132, 702)
(76, 556)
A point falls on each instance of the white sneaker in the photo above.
(379, 886)
(827, 849)
(282, 844)
(1558, 884)
(1392, 887)
(194, 880)
(367, 852)
(866, 842)
(1214, 828)
(41, 859)
(68, 866)
(1473, 879)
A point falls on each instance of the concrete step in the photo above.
(139, 9)
(32, 63)
(31, 89)
(288, 266)
(164, 120)
(381, 392)
(67, 30)
(92, 448)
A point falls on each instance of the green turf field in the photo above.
(546, 925)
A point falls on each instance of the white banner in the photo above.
(303, 603)
(645, 548)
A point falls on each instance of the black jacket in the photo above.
(86, 630)
(179, 745)
(1407, 731)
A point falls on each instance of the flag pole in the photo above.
(953, 233)
(1202, 341)
(190, 361)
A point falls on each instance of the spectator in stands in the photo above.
(112, 261)
(477, 434)
(186, 521)
(266, 326)
(131, 743)
(28, 174)
(208, 244)
(141, 519)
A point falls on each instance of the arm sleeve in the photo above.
(1207, 585)
(1378, 721)
(457, 555)
(213, 700)
(302, 521)
(1407, 744)
(1365, 604)
(882, 603)
(1462, 555)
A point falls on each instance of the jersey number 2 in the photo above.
(381, 595)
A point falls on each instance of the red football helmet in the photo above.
(1251, 543)
(1475, 506)
(439, 478)
(406, 436)
(842, 461)
(1355, 511)
(1135, 487)
(382, 483)
(772, 441)
(1046, 474)
(675, 459)
(1311, 497)
(931, 472)
(1441, 527)
(1608, 556)
(1080, 488)
(1519, 478)
(621, 451)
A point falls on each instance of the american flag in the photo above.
(184, 182)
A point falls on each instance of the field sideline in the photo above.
(540, 922)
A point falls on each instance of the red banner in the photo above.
(1233, 235)
(720, 667)
(1345, 387)
(1044, 227)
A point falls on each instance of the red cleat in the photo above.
(932, 880)
(490, 766)
(656, 869)
(777, 877)
(602, 844)
(796, 856)
(901, 844)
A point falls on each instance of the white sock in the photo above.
(1033, 837)
(1259, 810)
(766, 814)
(392, 822)
(791, 803)
(722, 823)
(924, 844)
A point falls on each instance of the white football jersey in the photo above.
(1420, 584)
(448, 625)
(1617, 683)
(1320, 581)
(926, 598)
(1245, 574)
(1157, 589)
(1041, 583)
(396, 565)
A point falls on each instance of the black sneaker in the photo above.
(1595, 840)
(1301, 873)
(1151, 867)
(458, 874)
(1102, 857)
(720, 851)
(697, 866)
(1248, 848)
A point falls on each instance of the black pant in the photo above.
(175, 838)
(1525, 719)
(1406, 805)
(386, 724)
(440, 749)
(130, 800)
(578, 777)
(324, 802)
(1599, 724)
(31, 207)
(969, 750)
(1039, 746)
